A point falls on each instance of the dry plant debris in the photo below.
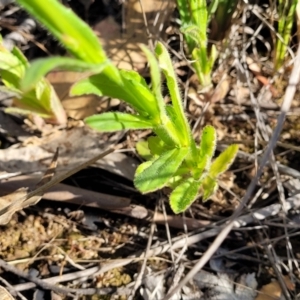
(75, 145)
(4, 294)
(22, 198)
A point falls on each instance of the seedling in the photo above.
(41, 99)
(286, 13)
(195, 17)
(173, 157)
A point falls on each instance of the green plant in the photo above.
(286, 14)
(41, 99)
(174, 159)
(195, 17)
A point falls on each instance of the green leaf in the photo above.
(43, 101)
(156, 145)
(168, 133)
(212, 7)
(132, 90)
(99, 85)
(191, 31)
(208, 142)
(143, 167)
(223, 161)
(174, 182)
(75, 35)
(184, 195)
(47, 107)
(40, 67)
(184, 10)
(141, 96)
(114, 121)
(21, 57)
(10, 64)
(209, 187)
(161, 170)
(199, 16)
(167, 67)
(143, 149)
(206, 151)
(72, 32)
(155, 80)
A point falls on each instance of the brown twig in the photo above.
(47, 286)
(120, 205)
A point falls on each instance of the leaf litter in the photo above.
(53, 238)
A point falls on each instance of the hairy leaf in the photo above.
(184, 195)
(156, 145)
(155, 80)
(209, 187)
(42, 66)
(72, 32)
(161, 170)
(132, 90)
(143, 149)
(167, 67)
(114, 121)
(208, 142)
(223, 161)
(142, 167)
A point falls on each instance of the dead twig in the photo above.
(47, 286)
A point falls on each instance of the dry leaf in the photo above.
(223, 287)
(4, 294)
(272, 291)
(220, 90)
(21, 198)
(122, 47)
(252, 65)
(16, 202)
(75, 146)
(256, 70)
(241, 94)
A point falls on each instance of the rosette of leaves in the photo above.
(173, 157)
(41, 99)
